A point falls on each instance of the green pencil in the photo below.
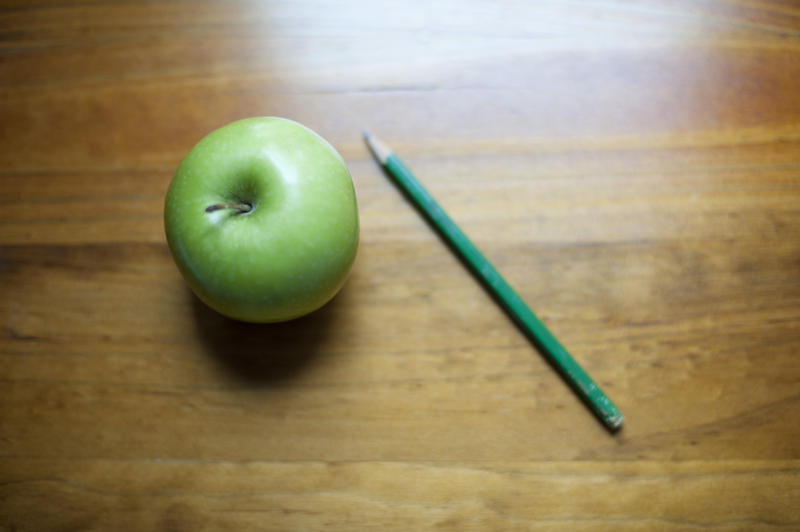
(513, 304)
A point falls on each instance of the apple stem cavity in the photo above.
(243, 208)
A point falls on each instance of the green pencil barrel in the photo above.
(516, 307)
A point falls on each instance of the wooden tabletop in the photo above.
(633, 169)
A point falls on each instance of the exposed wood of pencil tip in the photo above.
(381, 151)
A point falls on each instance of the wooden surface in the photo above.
(632, 168)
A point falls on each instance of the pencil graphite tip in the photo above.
(380, 150)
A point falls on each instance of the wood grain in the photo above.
(632, 169)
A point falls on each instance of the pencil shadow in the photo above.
(263, 354)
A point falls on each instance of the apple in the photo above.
(262, 221)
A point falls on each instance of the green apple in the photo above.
(261, 219)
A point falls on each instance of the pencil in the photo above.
(507, 297)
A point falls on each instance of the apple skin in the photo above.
(292, 251)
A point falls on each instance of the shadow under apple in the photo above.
(264, 354)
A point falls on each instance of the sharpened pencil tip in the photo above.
(380, 150)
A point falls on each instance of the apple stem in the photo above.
(241, 207)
